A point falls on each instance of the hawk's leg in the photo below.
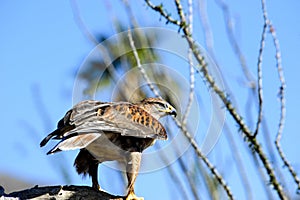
(132, 169)
(93, 172)
(85, 163)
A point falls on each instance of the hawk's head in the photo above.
(157, 107)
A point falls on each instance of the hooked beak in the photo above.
(171, 111)
(174, 113)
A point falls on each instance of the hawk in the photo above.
(111, 131)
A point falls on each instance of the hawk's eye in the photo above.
(167, 107)
(162, 105)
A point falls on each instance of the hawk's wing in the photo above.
(88, 120)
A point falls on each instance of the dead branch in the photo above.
(70, 192)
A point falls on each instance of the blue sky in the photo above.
(42, 48)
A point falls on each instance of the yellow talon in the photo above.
(132, 196)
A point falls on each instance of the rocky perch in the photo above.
(59, 192)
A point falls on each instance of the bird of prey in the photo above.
(111, 131)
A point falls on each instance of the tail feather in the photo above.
(57, 134)
(46, 139)
(74, 141)
(54, 150)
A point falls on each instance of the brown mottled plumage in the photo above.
(106, 131)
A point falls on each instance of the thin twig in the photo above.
(166, 15)
(282, 102)
(139, 65)
(192, 86)
(270, 148)
(191, 67)
(259, 72)
(262, 119)
(231, 109)
(190, 15)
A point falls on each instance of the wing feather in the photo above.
(90, 119)
(75, 142)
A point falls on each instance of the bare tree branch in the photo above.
(191, 67)
(71, 192)
(184, 23)
(139, 65)
(243, 127)
(167, 16)
(259, 73)
(282, 100)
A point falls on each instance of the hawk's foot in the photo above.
(96, 187)
(132, 196)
